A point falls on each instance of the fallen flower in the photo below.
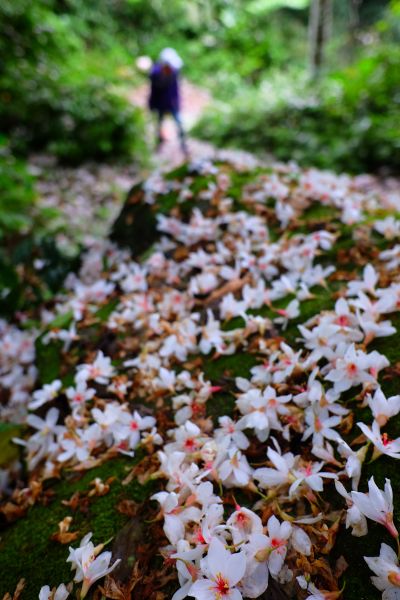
(377, 505)
(225, 572)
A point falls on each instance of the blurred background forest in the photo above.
(315, 81)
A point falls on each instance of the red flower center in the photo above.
(190, 443)
(221, 586)
(352, 369)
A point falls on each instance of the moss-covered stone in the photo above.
(26, 549)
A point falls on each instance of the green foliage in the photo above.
(24, 240)
(56, 92)
(350, 120)
(16, 193)
(352, 124)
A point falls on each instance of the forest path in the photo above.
(194, 101)
(88, 198)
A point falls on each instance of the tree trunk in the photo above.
(354, 25)
(319, 32)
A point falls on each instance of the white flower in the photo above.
(354, 461)
(387, 571)
(368, 283)
(175, 516)
(232, 430)
(48, 392)
(388, 227)
(61, 593)
(301, 541)
(280, 475)
(243, 523)
(89, 565)
(383, 444)
(80, 394)
(129, 427)
(235, 470)
(292, 311)
(354, 518)
(100, 370)
(311, 475)
(383, 408)
(278, 534)
(351, 370)
(73, 446)
(320, 425)
(377, 505)
(225, 572)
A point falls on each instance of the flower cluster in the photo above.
(220, 285)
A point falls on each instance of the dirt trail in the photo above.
(195, 100)
(89, 198)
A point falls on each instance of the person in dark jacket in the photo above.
(164, 93)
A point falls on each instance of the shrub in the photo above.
(352, 124)
(57, 93)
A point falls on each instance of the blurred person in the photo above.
(165, 94)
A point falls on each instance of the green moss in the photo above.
(8, 450)
(318, 211)
(26, 549)
(225, 368)
(219, 405)
(48, 360)
(357, 577)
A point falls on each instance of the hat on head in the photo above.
(171, 57)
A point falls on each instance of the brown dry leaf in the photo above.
(322, 568)
(99, 487)
(18, 591)
(181, 253)
(118, 591)
(231, 286)
(63, 535)
(73, 502)
(331, 537)
(347, 423)
(12, 512)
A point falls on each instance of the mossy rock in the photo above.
(26, 547)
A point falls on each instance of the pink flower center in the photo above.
(394, 578)
(134, 426)
(342, 320)
(308, 470)
(242, 519)
(317, 424)
(385, 439)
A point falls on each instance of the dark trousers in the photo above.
(177, 118)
